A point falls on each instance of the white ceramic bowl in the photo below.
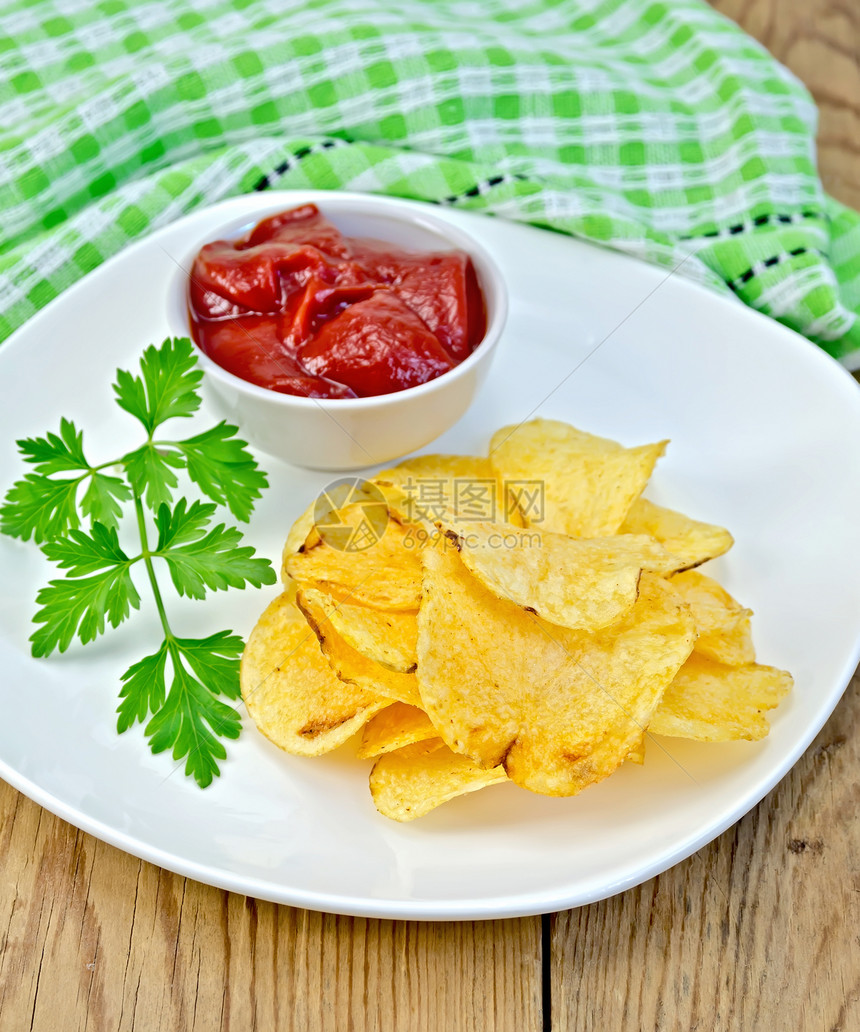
(351, 433)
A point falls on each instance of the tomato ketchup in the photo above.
(297, 307)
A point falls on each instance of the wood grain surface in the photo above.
(758, 931)
(93, 939)
(819, 40)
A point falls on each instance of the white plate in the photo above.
(765, 431)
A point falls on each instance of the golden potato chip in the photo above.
(412, 781)
(384, 575)
(432, 468)
(348, 664)
(566, 624)
(437, 465)
(636, 754)
(291, 692)
(723, 624)
(396, 726)
(692, 541)
(296, 537)
(712, 702)
(449, 488)
(389, 637)
(570, 481)
(559, 709)
(581, 583)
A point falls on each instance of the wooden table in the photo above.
(758, 931)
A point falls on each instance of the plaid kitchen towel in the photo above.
(656, 128)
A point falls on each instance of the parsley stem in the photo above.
(147, 558)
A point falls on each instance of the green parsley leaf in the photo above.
(56, 453)
(214, 560)
(150, 472)
(80, 605)
(182, 524)
(192, 720)
(102, 498)
(40, 507)
(167, 386)
(179, 691)
(82, 553)
(222, 467)
(215, 661)
(143, 689)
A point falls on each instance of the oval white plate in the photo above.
(765, 433)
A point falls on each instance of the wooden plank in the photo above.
(759, 930)
(92, 940)
(819, 40)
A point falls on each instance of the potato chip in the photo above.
(559, 709)
(389, 637)
(636, 754)
(723, 624)
(348, 664)
(435, 466)
(693, 542)
(439, 472)
(570, 481)
(291, 692)
(412, 781)
(581, 583)
(449, 488)
(384, 575)
(712, 702)
(296, 537)
(566, 625)
(396, 726)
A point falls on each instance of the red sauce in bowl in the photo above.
(299, 308)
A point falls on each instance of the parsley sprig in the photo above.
(73, 511)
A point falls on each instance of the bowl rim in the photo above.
(490, 277)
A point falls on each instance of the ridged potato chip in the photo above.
(553, 613)
(291, 692)
(690, 540)
(412, 781)
(713, 702)
(723, 625)
(581, 583)
(348, 664)
(436, 466)
(389, 637)
(447, 487)
(559, 709)
(385, 575)
(296, 537)
(396, 726)
(636, 754)
(586, 483)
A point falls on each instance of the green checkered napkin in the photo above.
(656, 128)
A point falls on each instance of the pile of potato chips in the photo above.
(541, 639)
